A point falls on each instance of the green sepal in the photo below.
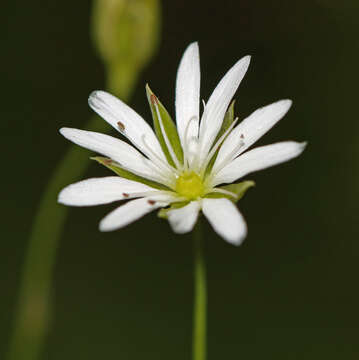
(162, 213)
(227, 121)
(238, 188)
(127, 174)
(169, 127)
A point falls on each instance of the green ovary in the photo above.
(190, 185)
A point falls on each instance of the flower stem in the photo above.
(200, 297)
(33, 309)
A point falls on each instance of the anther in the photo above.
(121, 126)
(125, 195)
(107, 162)
(154, 100)
(242, 136)
(151, 202)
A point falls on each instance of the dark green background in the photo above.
(290, 291)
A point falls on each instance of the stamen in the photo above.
(161, 163)
(151, 202)
(168, 144)
(125, 195)
(162, 178)
(197, 157)
(186, 151)
(229, 157)
(216, 146)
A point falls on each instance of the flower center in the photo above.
(189, 185)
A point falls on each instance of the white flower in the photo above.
(180, 170)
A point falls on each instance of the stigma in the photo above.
(190, 185)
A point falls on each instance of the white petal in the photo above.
(225, 219)
(187, 92)
(218, 103)
(119, 151)
(252, 128)
(98, 191)
(128, 213)
(182, 220)
(125, 120)
(258, 159)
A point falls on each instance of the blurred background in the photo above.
(290, 291)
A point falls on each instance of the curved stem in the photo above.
(200, 297)
(32, 312)
(33, 308)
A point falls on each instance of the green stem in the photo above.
(32, 312)
(200, 297)
(33, 308)
(125, 34)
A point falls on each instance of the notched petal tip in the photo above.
(103, 227)
(244, 61)
(279, 108)
(238, 241)
(225, 219)
(60, 197)
(62, 130)
(242, 65)
(303, 145)
(67, 132)
(92, 96)
(64, 196)
(95, 97)
(193, 46)
(300, 146)
(285, 104)
(97, 93)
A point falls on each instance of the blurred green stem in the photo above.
(200, 296)
(32, 313)
(125, 33)
(33, 309)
